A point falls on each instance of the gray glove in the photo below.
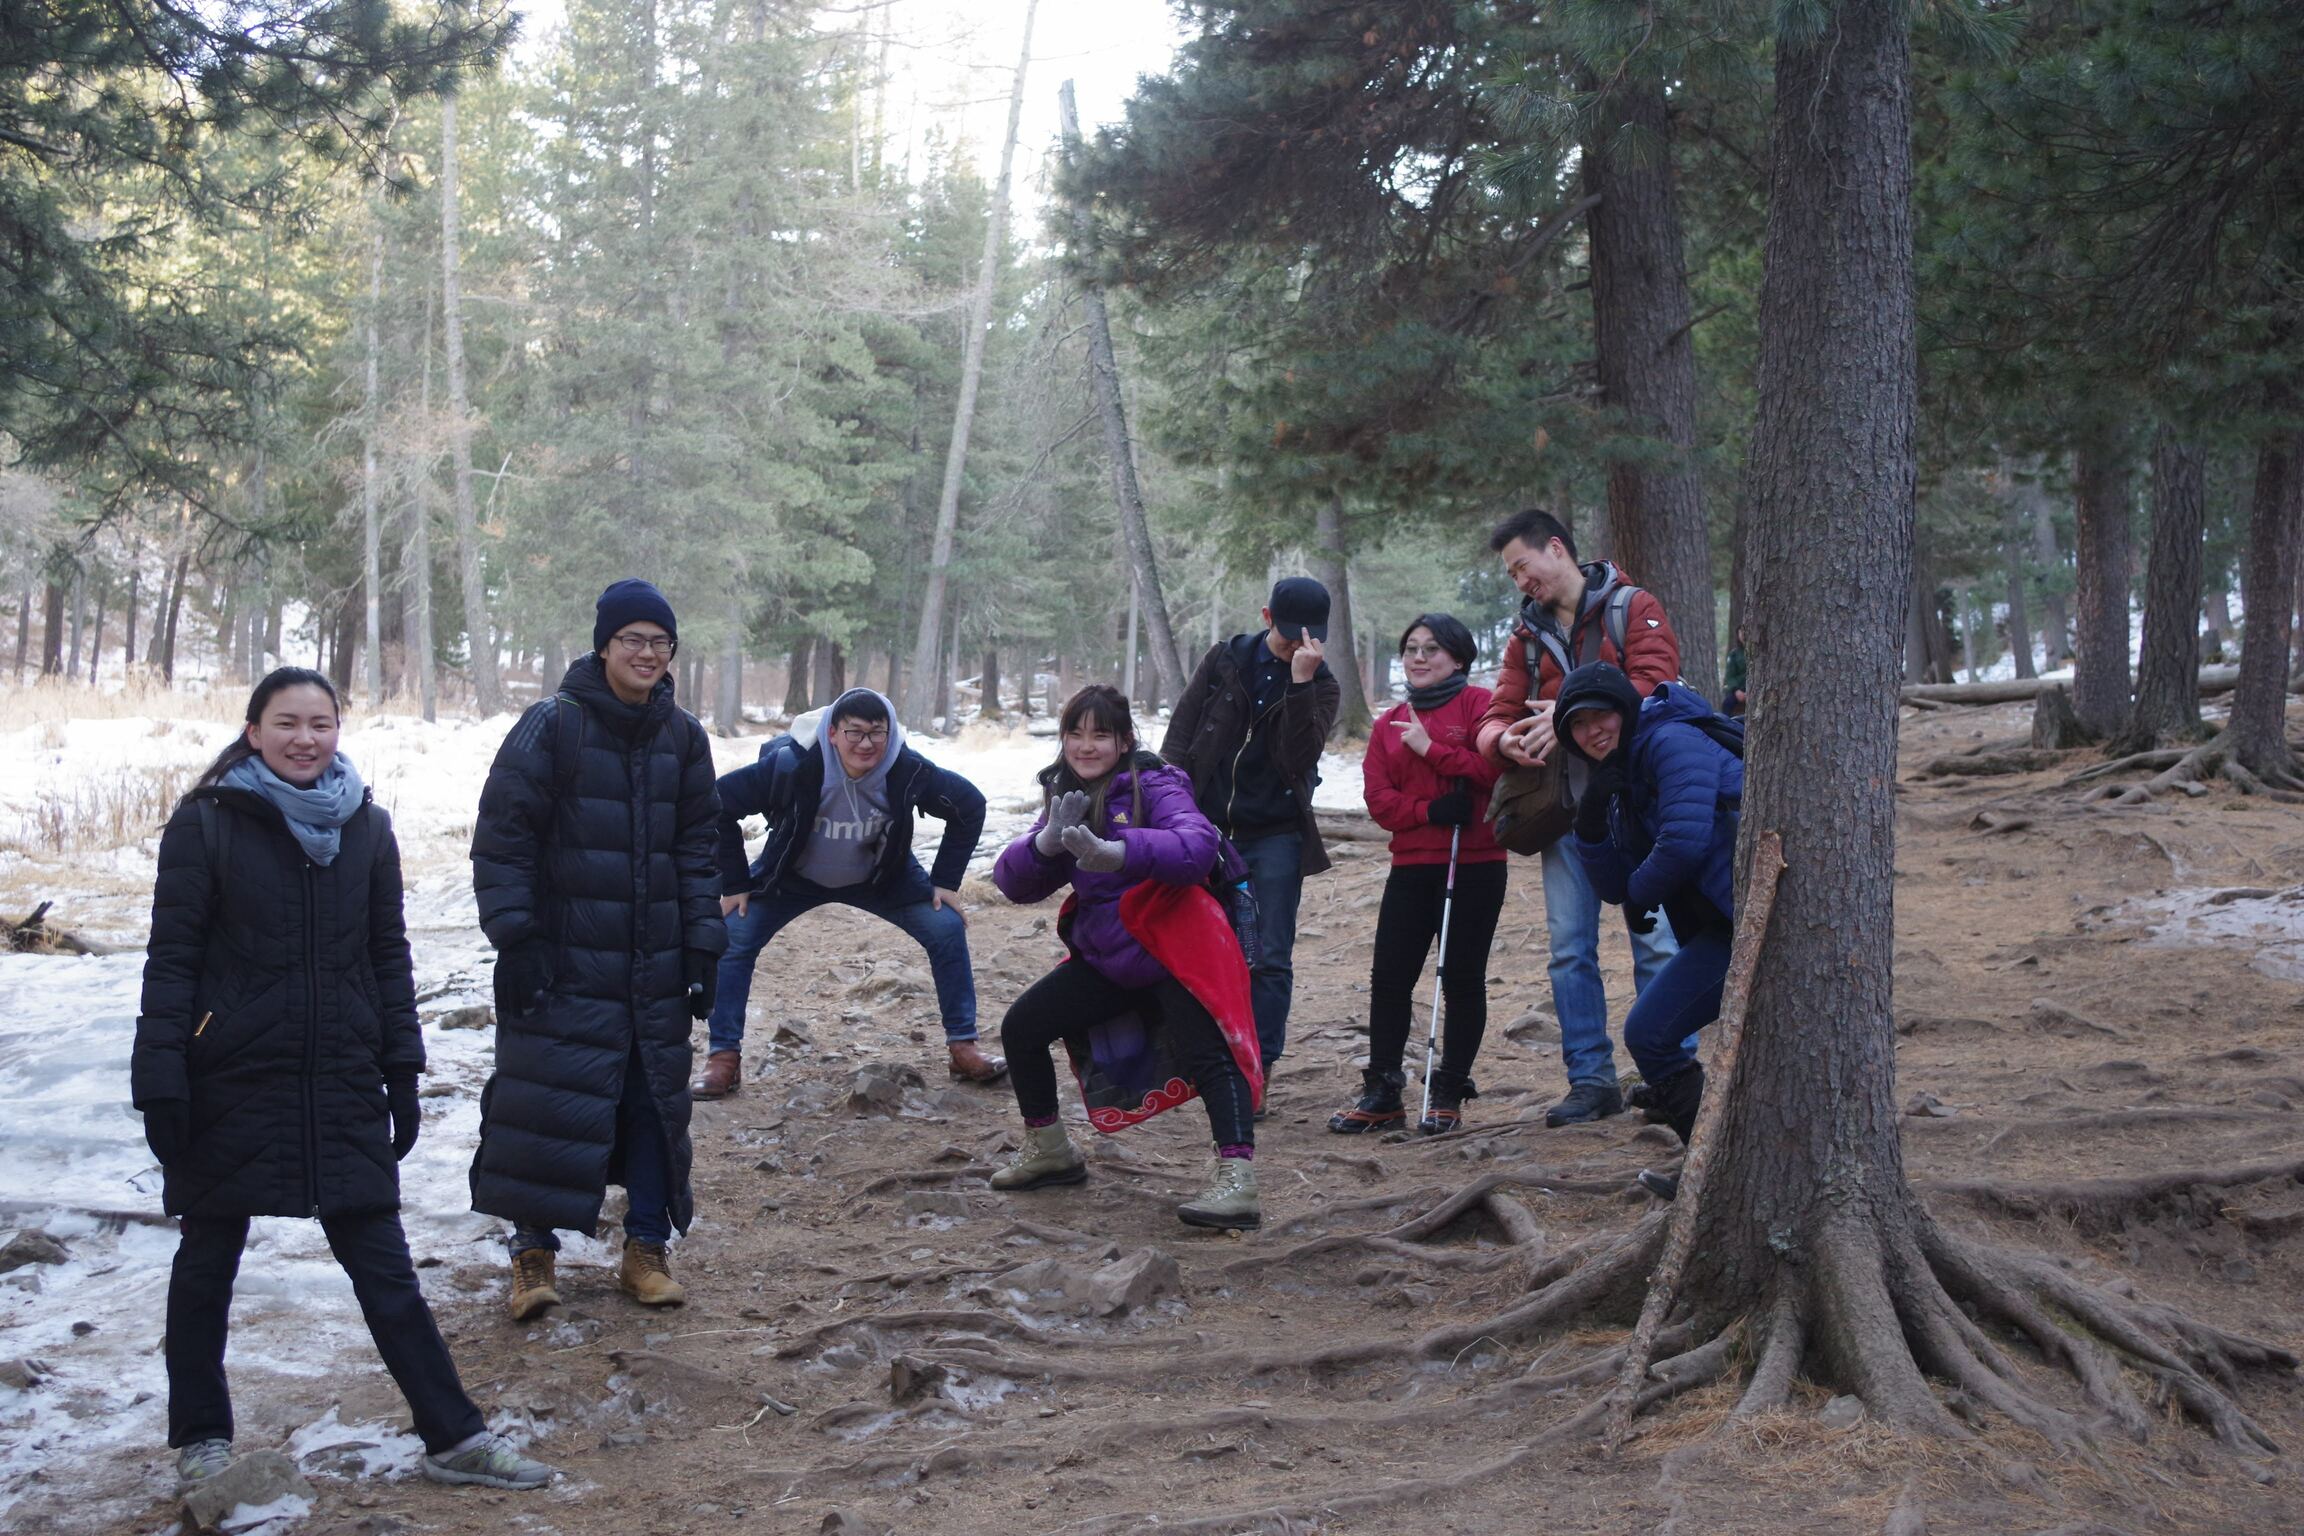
(1065, 812)
(1101, 855)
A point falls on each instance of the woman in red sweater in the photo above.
(1426, 783)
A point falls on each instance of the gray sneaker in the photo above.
(202, 1460)
(492, 1463)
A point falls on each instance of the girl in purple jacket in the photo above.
(1115, 818)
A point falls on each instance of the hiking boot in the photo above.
(644, 1277)
(723, 1075)
(1642, 1097)
(1450, 1092)
(1378, 1109)
(491, 1462)
(1664, 1186)
(971, 1064)
(534, 1285)
(200, 1461)
(1047, 1157)
(1586, 1102)
(1229, 1202)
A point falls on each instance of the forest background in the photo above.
(387, 353)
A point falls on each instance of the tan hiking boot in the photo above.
(1229, 1201)
(723, 1075)
(534, 1285)
(644, 1277)
(1047, 1157)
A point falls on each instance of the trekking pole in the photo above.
(1439, 970)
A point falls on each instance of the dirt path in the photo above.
(854, 1269)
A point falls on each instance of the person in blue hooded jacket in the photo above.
(840, 794)
(1656, 831)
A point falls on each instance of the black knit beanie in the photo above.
(631, 601)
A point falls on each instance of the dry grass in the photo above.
(101, 814)
(49, 703)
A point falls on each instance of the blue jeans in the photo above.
(647, 1188)
(1660, 1031)
(1572, 921)
(1276, 865)
(941, 931)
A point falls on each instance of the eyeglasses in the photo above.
(1422, 652)
(633, 645)
(856, 738)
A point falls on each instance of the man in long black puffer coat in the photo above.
(593, 861)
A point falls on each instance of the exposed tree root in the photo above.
(1682, 1373)
(1464, 1201)
(908, 1176)
(2187, 771)
(2108, 1205)
(1984, 765)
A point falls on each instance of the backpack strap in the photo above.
(216, 837)
(569, 719)
(1616, 620)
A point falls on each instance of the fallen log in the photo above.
(2020, 690)
(33, 936)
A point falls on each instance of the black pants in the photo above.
(1075, 995)
(1406, 925)
(374, 1252)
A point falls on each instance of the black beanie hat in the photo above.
(630, 601)
(1448, 631)
(1595, 685)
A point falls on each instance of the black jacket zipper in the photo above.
(311, 1039)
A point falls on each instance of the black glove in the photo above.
(168, 1129)
(702, 972)
(407, 1113)
(522, 973)
(1453, 809)
(1641, 921)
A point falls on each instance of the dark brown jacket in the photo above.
(1212, 722)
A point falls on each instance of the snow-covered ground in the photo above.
(72, 1154)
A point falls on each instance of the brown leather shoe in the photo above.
(644, 1277)
(723, 1075)
(534, 1285)
(971, 1065)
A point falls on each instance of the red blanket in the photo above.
(1124, 1076)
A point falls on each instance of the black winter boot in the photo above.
(1677, 1099)
(1379, 1107)
(1450, 1092)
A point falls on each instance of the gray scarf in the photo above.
(316, 815)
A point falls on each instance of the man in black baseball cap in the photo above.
(1249, 729)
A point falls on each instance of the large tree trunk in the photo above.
(2257, 733)
(1104, 376)
(796, 680)
(2017, 552)
(96, 640)
(1810, 1225)
(728, 708)
(371, 487)
(1647, 362)
(2168, 671)
(164, 629)
(24, 630)
(2100, 678)
(79, 619)
(988, 688)
(1330, 561)
(926, 651)
(487, 688)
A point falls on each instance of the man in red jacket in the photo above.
(1574, 614)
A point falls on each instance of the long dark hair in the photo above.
(1100, 707)
(279, 678)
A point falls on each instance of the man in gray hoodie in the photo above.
(840, 794)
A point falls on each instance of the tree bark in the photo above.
(79, 619)
(52, 630)
(24, 630)
(988, 686)
(796, 679)
(1330, 561)
(96, 640)
(487, 688)
(728, 707)
(2168, 671)
(2100, 677)
(1647, 366)
(1104, 376)
(2048, 570)
(1809, 1213)
(420, 542)
(164, 629)
(2257, 731)
(371, 488)
(2015, 542)
(925, 652)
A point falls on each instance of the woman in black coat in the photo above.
(276, 1060)
(595, 866)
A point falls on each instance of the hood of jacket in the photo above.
(1601, 579)
(813, 731)
(586, 682)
